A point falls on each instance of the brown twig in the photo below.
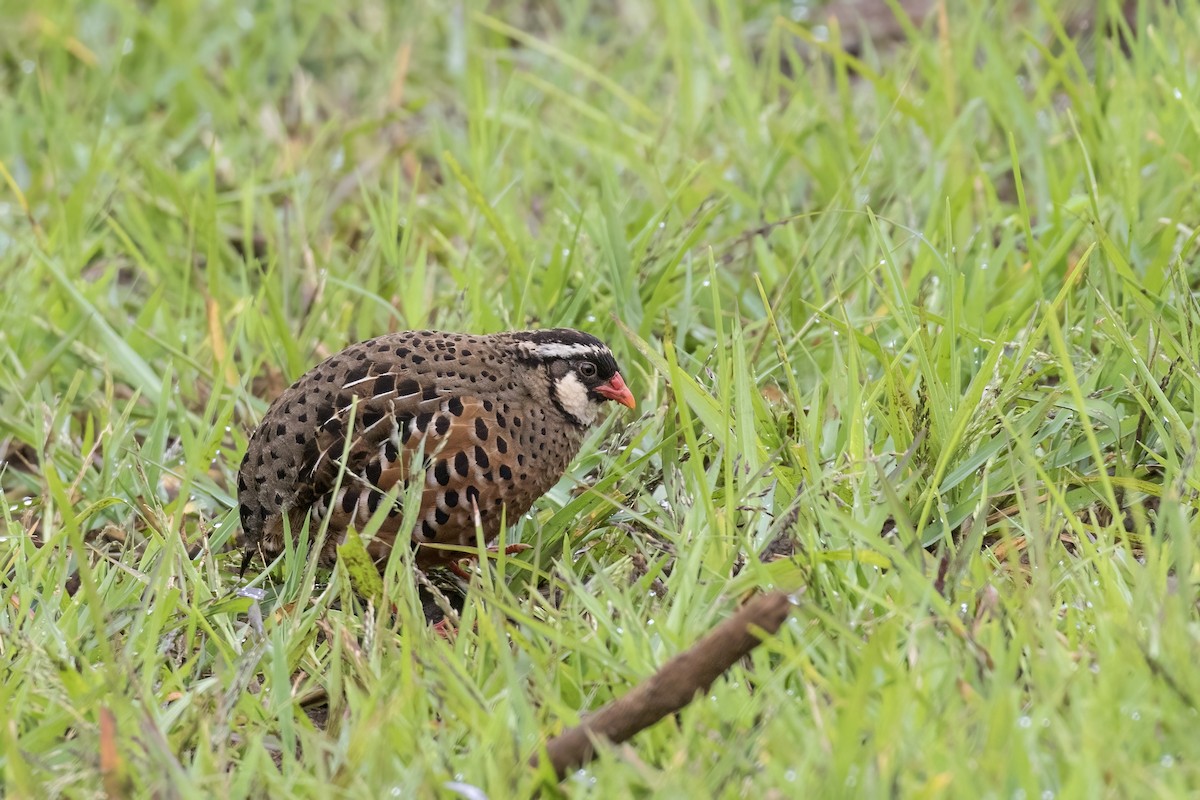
(675, 685)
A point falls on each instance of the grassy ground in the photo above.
(913, 333)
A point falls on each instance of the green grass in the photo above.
(924, 314)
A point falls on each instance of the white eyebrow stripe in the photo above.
(558, 350)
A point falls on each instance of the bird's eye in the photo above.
(587, 369)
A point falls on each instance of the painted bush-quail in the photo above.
(496, 420)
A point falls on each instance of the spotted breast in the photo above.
(485, 423)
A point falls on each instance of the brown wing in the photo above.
(358, 404)
(468, 466)
(344, 435)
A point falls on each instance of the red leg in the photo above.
(519, 547)
(444, 629)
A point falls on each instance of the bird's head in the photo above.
(581, 369)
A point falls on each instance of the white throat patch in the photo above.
(573, 397)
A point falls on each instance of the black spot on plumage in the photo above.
(441, 473)
(373, 499)
(520, 459)
(280, 473)
(450, 498)
(455, 406)
(418, 359)
(333, 425)
(422, 420)
(349, 500)
(299, 437)
(302, 418)
(441, 517)
(430, 393)
(385, 383)
(488, 405)
(472, 495)
(371, 418)
(408, 387)
(500, 420)
(441, 425)
(462, 464)
(390, 451)
(337, 445)
(481, 429)
(359, 372)
(402, 352)
(244, 511)
(428, 531)
(505, 472)
(280, 429)
(501, 445)
(373, 471)
(481, 457)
